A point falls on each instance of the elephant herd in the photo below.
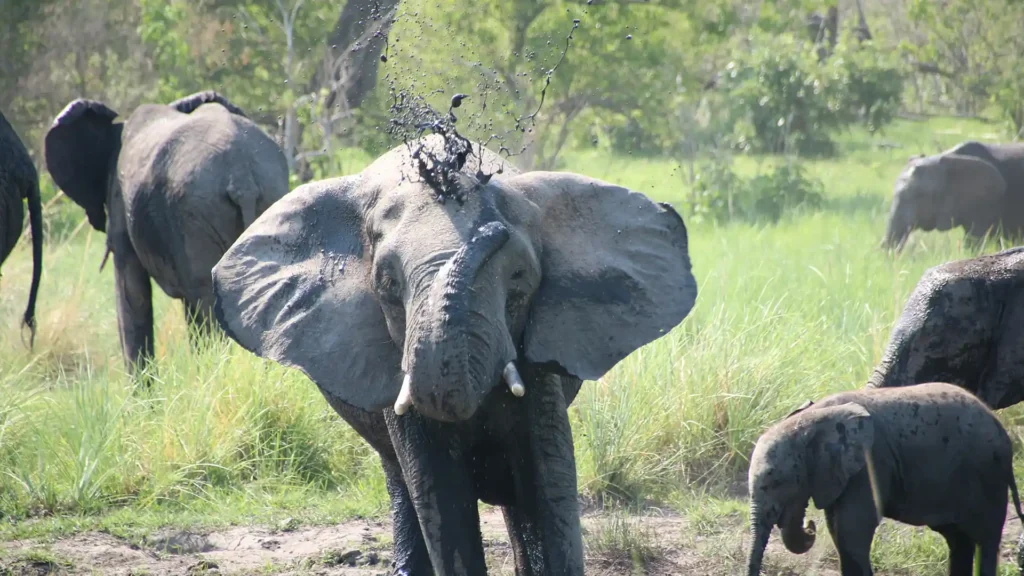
(453, 330)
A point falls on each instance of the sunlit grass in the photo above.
(785, 313)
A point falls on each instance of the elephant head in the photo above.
(810, 455)
(943, 191)
(383, 294)
(83, 144)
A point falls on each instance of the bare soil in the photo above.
(651, 544)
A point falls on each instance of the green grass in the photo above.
(785, 313)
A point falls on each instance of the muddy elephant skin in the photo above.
(926, 455)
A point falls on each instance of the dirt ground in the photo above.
(653, 544)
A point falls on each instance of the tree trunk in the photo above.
(355, 48)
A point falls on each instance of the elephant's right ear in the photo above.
(295, 288)
(80, 146)
(839, 448)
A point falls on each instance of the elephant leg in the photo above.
(442, 491)
(134, 303)
(199, 317)
(410, 551)
(852, 521)
(961, 550)
(544, 522)
(411, 558)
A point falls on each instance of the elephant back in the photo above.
(1009, 160)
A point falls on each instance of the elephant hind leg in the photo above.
(961, 550)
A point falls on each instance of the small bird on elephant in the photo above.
(976, 186)
(931, 455)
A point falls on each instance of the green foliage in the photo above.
(720, 195)
(781, 98)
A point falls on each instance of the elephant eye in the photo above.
(518, 274)
(389, 288)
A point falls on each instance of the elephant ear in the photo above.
(295, 288)
(80, 147)
(978, 190)
(840, 447)
(615, 272)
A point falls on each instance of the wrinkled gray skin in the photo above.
(979, 187)
(938, 458)
(173, 187)
(19, 182)
(360, 280)
(963, 324)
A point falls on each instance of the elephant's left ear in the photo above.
(840, 448)
(616, 272)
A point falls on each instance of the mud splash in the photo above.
(412, 117)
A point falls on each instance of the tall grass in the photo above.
(785, 313)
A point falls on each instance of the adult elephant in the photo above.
(962, 324)
(979, 187)
(19, 182)
(408, 294)
(173, 187)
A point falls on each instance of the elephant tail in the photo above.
(35, 218)
(1016, 497)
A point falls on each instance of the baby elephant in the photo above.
(927, 455)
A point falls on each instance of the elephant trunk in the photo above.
(760, 530)
(797, 538)
(897, 230)
(35, 218)
(446, 382)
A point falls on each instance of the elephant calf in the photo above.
(927, 455)
(963, 324)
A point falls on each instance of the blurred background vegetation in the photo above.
(673, 78)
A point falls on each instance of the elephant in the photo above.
(19, 182)
(409, 292)
(173, 187)
(962, 325)
(926, 455)
(977, 186)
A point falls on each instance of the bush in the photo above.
(721, 195)
(780, 98)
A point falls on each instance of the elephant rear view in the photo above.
(173, 187)
(962, 324)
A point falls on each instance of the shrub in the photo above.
(780, 98)
(720, 195)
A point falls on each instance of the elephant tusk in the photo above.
(514, 381)
(106, 255)
(404, 400)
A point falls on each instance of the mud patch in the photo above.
(655, 544)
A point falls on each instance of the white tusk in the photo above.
(514, 381)
(404, 400)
